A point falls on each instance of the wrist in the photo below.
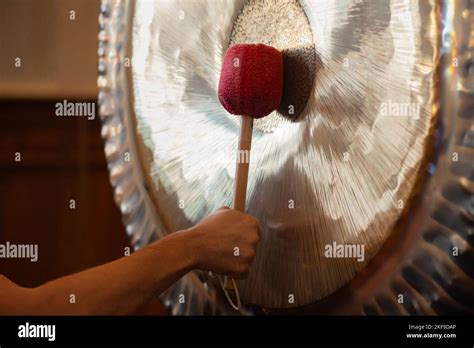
(186, 242)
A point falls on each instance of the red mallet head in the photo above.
(251, 80)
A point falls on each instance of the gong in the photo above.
(335, 171)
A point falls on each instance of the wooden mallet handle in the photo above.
(242, 165)
(242, 171)
(251, 84)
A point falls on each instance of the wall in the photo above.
(58, 55)
(62, 158)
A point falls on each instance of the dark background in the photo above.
(62, 158)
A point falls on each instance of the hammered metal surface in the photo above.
(124, 164)
(341, 174)
(283, 25)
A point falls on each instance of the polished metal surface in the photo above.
(425, 266)
(284, 25)
(432, 271)
(125, 166)
(341, 174)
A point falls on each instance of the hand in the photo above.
(225, 242)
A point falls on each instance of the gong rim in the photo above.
(333, 201)
(139, 225)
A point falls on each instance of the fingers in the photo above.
(254, 235)
(230, 239)
(251, 220)
(241, 268)
(246, 219)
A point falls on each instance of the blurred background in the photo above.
(57, 43)
(62, 158)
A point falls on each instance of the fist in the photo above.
(225, 242)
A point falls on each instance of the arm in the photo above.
(125, 285)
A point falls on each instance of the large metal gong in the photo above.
(339, 175)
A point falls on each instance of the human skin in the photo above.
(124, 286)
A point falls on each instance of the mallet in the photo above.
(251, 86)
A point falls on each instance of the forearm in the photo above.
(126, 285)
(119, 287)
